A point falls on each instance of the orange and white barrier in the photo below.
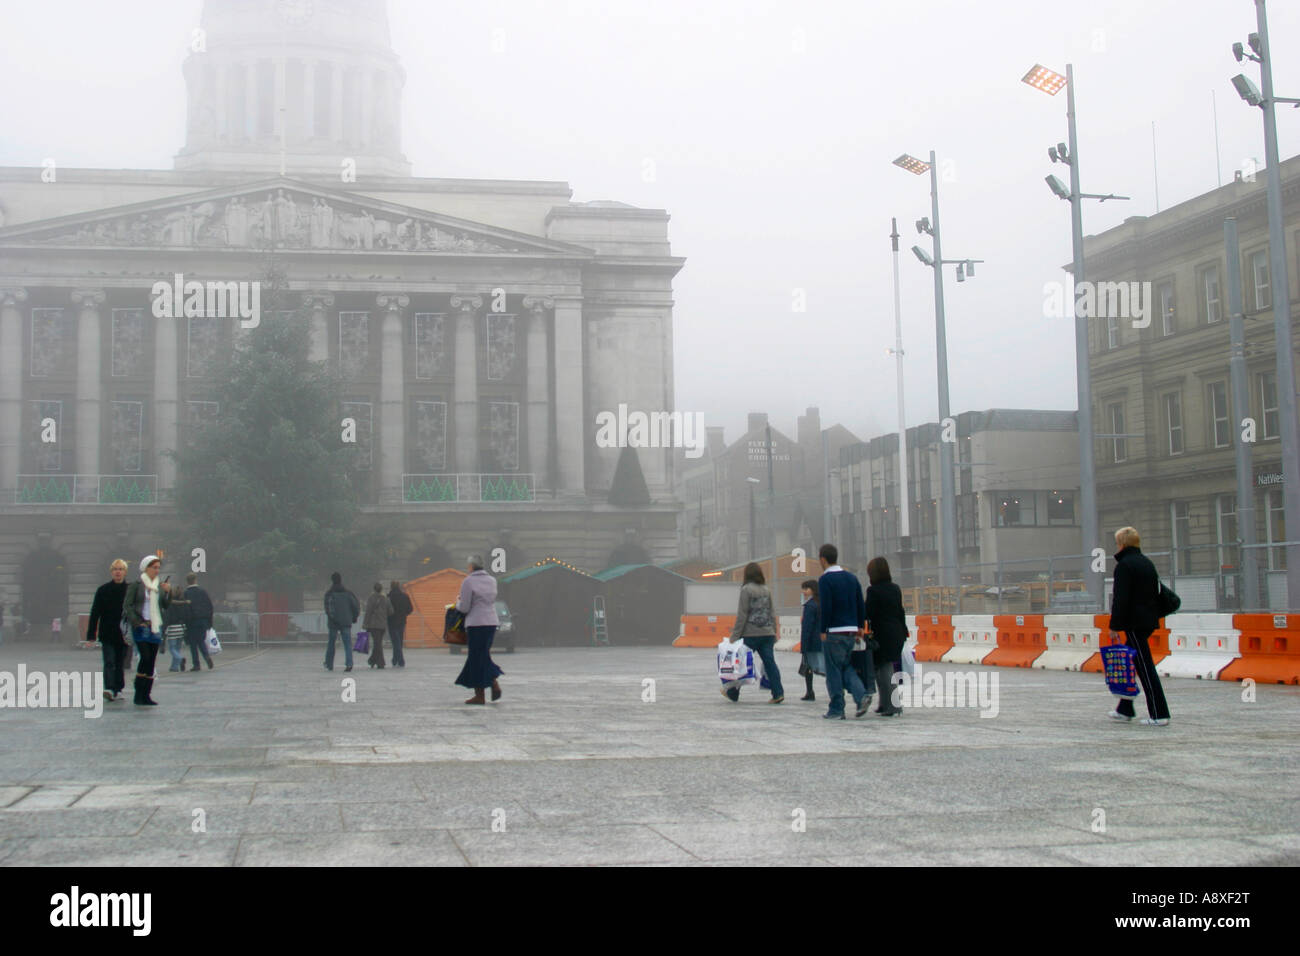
(974, 637)
(1071, 640)
(1269, 648)
(1200, 646)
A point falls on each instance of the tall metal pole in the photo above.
(1083, 376)
(948, 540)
(904, 526)
(828, 533)
(1241, 402)
(1281, 318)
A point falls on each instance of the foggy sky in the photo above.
(771, 127)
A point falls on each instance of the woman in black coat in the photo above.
(888, 624)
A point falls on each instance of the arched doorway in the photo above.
(44, 591)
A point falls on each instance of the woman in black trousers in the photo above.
(1135, 611)
(888, 624)
(142, 609)
(105, 625)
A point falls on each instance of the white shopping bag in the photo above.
(909, 662)
(212, 642)
(736, 663)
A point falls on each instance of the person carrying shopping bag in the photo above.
(756, 626)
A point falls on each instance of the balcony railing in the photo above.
(87, 490)
(436, 489)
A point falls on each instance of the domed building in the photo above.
(482, 325)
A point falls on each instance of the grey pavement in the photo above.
(272, 766)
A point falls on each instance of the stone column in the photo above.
(166, 410)
(367, 104)
(250, 100)
(280, 118)
(308, 100)
(392, 398)
(336, 104)
(11, 387)
(570, 414)
(537, 388)
(319, 304)
(89, 386)
(464, 308)
(223, 103)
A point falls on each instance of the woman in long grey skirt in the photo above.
(477, 601)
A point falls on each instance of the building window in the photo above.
(500, 446)
(361, 412)
(128, 347)
(1275, 528)
(203, 342)
(1220, 430)
(429, 450)
(1225, 509)
(1174, 422)
(202, 414)
(1180, 519)
(501, 346)
(1268, 402)
(354, 343)
(1112, 332)
(1165, 293)
(1016, 509)
(430, 345)
(1260, 277)
(1060, 508)
(1118, 445)
(48, 455)
(1210, 294)
(127, 437)
(52, 343)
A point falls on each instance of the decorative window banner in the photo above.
(200, 414)
(128, 342)
(53, 343)
(500, 346)
(429, 450)
(127, 436)
(354, 343)
(363, 413)
(502, 434)
(47, 455)
(203, 342)
(430, 345)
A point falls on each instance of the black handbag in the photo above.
(1167, 602)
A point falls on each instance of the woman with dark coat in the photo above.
(812, 660)
(402, 608)
(142, 609)
(375, 621)
(106, 626)
(477, 601)
(888, 625)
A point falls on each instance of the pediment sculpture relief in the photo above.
(279, 220)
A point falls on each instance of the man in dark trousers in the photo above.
(198, 619)
(844, 616)
(341, 611)
(1134, 610)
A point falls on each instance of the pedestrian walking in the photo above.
(197, 621)
(341, 611)
(477, 601)
(844, 618)
(887, 622)
(174, 627)
(1135, 611)
(142, 609)
(376, 622)
(105, 625)
(812, 660)
(756, 626)
(402, 608)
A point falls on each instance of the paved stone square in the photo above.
(574, 766)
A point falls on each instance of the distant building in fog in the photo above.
(482, 324)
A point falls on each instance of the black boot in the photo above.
(143, 685)
(808, 696)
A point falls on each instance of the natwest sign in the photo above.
(1264, 479)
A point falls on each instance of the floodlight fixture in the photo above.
(1253, 40)
(1247, 90)
(1041, 78)
(961, 275)
(925, 257)
(1052, 154)
(1058, 187)
(970, 267)
(923, 225)
(1238, 51)
(912, 164)
(1063, 151)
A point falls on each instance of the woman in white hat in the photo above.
(142, 610)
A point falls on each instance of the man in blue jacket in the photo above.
(844, 617)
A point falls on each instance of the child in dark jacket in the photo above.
(810, 638)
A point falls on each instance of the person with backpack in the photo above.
(174, 626)
(341, 611)
(756, 626)
(844, 619)
(1135, 611)
(198, 621)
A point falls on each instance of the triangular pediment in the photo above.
(280, 214)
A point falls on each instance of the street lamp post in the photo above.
(1286, 394)
(904, 527)
(949, 575)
